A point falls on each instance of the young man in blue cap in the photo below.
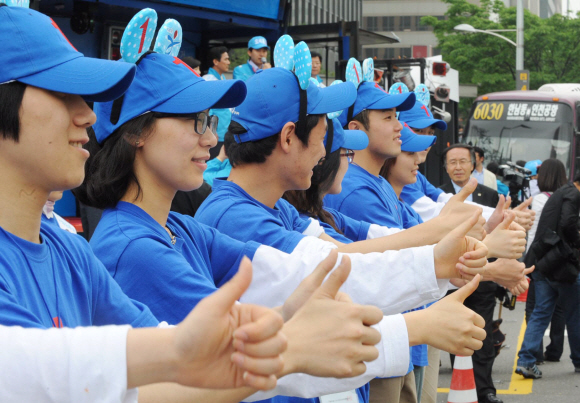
(257, 52)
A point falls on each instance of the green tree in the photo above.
(551, 46)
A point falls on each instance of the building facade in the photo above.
(307, 12)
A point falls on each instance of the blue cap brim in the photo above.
(332, 98)
(400, 102)
(355, 140)
(204, 95)
(415, 142)
(423, 123)
(96, 80)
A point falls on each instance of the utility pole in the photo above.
(520, 35)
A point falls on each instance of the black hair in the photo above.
(363, 118)
(551, 175)
(316, 54)
(309, 201)
(257, 151)
(479, 151)
(577, 178)
(109, 171)
(493, 167)
(191, 62)
(11, 95)
(521, 163)
(216, 54)
(459, 145)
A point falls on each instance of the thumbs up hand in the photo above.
(456, 212)
(330, 336)
(503, 242)
(448, 325)
(524, 216)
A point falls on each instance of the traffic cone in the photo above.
(462, 388)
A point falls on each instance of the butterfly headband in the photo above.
(136, 42)
(297, 59)
(357, 74)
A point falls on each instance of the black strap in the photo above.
(329, 136)
(303, 110)
(118, 103)
(349, 114)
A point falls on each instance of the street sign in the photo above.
(522, 80)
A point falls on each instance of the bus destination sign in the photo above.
(514, 110)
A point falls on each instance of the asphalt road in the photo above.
(559, 384)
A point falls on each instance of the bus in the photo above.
(528, 125)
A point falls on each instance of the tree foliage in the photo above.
(551, 46)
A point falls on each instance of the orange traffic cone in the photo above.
(462, 388)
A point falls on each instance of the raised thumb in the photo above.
(223, 299)
(467, 190)
(330, 287)
(465, 291)
(508, 218)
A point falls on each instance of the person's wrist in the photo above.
(416, 323)
(292, 356)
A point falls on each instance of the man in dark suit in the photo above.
(459, 161)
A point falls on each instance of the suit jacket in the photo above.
(489, 179)
(482, 194)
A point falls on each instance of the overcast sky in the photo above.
(574, 5)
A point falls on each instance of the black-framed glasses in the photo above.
(349, 154)
(203, 120)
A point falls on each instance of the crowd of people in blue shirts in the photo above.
(316, 270)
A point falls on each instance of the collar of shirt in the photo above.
(458, 189)
(216, 74)
(253, 65)
(479, 176)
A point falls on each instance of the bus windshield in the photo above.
(523, 138)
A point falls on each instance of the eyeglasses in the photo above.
(349, 154)
(202, 120)
(462, 162)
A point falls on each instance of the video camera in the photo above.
(518, 180)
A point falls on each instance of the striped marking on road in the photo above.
(518, 384)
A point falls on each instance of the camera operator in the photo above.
(518, 180)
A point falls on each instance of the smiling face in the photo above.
(459, 165)
(404, 170)
(301, 160)
(430, 131)
(49, 154)
(384, 133)
(174, 156)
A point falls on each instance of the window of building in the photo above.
(404, 23)
(371, 23)
(388, 24)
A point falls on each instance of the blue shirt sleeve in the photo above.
(163, 279)
(113, 307)
(259, 226)
(374, 210)
(226, 254)
(430, 191)
(12, 313)
(354, 230)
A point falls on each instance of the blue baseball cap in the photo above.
(413, 142)
(34, 51)
(420, 117)
(166, 84)
(274, 99)
(372, 96)
(533, 166)
(258, 42)
(349, 139)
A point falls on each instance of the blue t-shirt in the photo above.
(352, 230)
(413, 192)
(234, 212)
(244, 72)
(366, 197)
(60, 282)
(170, 279)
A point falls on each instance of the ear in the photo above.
(249, 52)
(355, 125)
(287, 136)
